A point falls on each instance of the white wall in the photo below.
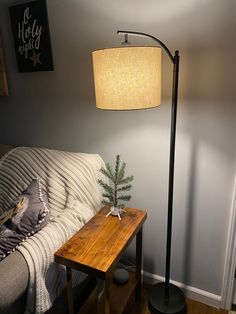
(57, 109)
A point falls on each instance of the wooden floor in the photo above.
(194, 307)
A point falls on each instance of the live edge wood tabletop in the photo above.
(96, 248)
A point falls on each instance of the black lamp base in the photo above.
(159, 303)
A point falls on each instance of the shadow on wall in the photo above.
(190, 218)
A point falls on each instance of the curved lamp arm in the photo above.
(153, 38)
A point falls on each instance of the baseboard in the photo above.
(190, 292)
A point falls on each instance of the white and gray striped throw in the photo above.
(70, 181)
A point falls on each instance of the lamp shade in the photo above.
(127, 78)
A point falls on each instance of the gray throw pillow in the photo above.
(31, 215)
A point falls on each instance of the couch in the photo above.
(72, 176)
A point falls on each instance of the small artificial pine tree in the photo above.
(120, 183)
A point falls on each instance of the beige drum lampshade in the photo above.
(127, 78)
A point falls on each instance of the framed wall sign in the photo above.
(3, 75)
(30, 29)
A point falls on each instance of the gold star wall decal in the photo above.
(35, 58)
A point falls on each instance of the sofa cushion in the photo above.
(14, 276)
(31, 214)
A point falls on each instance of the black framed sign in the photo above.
(30, 29)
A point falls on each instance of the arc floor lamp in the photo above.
(129, 78)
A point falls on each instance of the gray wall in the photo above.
(57, 109)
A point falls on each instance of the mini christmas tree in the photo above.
(119, 183)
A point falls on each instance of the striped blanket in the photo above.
(70, 181)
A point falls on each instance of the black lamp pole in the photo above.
(165, 297)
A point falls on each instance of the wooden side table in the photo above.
(97, 247)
